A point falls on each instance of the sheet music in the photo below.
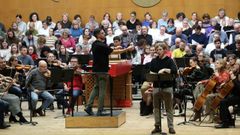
(194, 42)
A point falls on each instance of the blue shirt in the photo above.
(26, 60)
(76, 33)
(161, 22)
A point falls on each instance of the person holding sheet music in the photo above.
(37, 82)
(163, 90)
(198, 37)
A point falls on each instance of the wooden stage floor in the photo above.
(135, 125)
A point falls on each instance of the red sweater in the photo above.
(34, 56)
(77, 82)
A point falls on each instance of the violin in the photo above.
(188, 70)
(58, 63)
(21, 67)
(47, 74)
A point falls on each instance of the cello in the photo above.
(208, 89)
(223, 92)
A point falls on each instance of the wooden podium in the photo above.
(82, 120)
(120, 72)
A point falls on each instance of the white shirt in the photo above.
(148, 58)
(118, 32)
(44, 32)
(154, 33)
(178, 24)
(37, 25)
(210, 47)
(165, 37)
(109, 39)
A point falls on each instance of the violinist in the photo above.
(204, 64)
(220, 76)
(15, 89)
(194, 72)
(37, 82)
(77, 83)
(11, 99)
(53, 62)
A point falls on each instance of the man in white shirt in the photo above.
(163, 36)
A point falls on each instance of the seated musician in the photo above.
(232, 99)
(194, 72)
(3, 108)
(21, 70)
(190, 76)
(221, 76)
(53, 62)
(37, 82)
(11, 99)
(232, 65)
(77, 83)
(14, 89)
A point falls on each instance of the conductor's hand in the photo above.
(130, 48)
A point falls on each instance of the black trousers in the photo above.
(3, 108)
(224, 104)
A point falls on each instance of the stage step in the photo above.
(82, 120)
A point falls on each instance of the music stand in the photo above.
(158, 78)
(182, 62)
(82, 59)
(62, 75)
(185, 113)
(31, 109)
(8, 72)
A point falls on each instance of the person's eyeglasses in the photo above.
(73, 61)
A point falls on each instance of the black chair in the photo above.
(139, 76)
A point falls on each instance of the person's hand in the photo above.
(36, 91)
(162, 71)
(118, 47)
(130, 48)
(66, 87)
(199, 83)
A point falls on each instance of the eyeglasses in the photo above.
(73, 61)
